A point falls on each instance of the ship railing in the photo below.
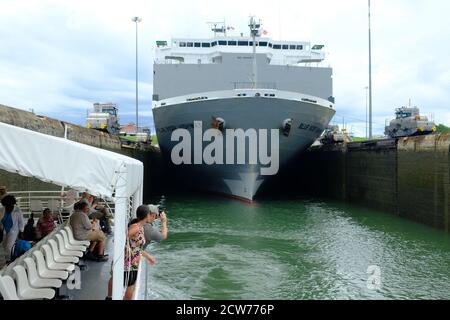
(36, 201)
(250, 85)
(141, 289)
(310, 62)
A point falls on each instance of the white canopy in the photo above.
(81, 167)
(66, 163)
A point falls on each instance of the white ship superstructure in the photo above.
(197, 51)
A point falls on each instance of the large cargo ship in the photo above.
(278, 93)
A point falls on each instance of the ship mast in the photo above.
(254, 32)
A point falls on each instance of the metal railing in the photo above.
(140, 291)
(25, 199)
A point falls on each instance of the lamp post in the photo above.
(367, 103)
(370, 77)
(136, 20)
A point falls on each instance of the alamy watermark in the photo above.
(74, 280)
(235, 139)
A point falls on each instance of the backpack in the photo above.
(19, 248)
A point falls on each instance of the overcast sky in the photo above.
(59, 57)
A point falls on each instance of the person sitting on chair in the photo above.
(84, 230)
(45, 224)
(29, 233)
(102, 214)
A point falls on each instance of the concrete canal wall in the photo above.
(423, 179)
(56, 128)
(409, 177)
(152, 159)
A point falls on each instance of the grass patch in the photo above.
(154, 139)
(358, 139)
(442, 129)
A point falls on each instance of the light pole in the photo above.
(370, 77)
(367, 103)
(136, 20)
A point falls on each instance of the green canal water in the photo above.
(295, 249)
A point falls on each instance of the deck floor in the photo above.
(94, 280)
(2, 257)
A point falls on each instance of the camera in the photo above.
(161, 206)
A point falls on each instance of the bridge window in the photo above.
(270, 45)
(277, 46)
(214, 43)
(190, 44)
(292, 47)
(182, 44)
(206, 45)
(285, 47)
(197, 44)
(263, 44)
(222, 43)
(232, 43)
(243, 43)
(299, 47)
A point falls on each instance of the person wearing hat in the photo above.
(2, 191)
(151, 233)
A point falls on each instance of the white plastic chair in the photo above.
(44, 271)
(54, 205)
(8, 288)
(75, 242)
(70, 246)
(63, 216)
(25, 291)
(36, 206)
(35, 280)
(52, 264)
(66, 252)
(58, 256)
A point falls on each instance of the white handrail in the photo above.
(140, 291)
(24, 199)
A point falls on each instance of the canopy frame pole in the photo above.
(137, 200)
(120, 223)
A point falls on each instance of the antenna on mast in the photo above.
(218, 27)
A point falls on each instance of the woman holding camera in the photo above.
(134, 251)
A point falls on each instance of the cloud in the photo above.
(60, 57)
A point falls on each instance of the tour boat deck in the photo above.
(94, 279)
